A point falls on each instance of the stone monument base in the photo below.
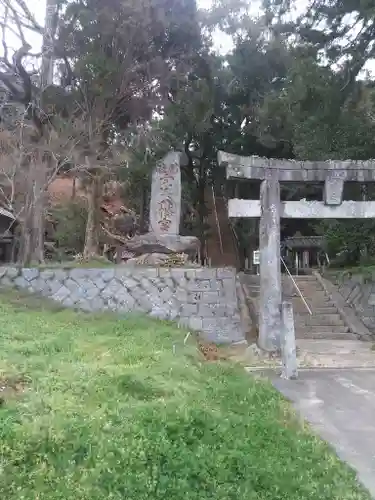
(150, 243)
(160, 259)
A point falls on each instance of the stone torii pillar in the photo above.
(332, 174)
(270, 268)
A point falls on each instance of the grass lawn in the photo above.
(97, 407)
(72, 264)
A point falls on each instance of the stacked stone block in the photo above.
(203, 299)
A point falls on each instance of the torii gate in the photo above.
(270, 209)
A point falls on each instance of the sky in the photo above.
(222, 41)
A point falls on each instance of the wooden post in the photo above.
(306, 259)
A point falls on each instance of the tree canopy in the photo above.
(133, 79)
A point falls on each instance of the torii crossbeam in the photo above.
(270, 209)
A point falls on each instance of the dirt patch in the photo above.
(11, 387)
(213, 352)
(242, 353)
(209, 351)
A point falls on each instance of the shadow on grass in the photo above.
(21, 300)
(143, 390)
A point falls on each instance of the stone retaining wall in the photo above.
(203, 299)
(358, 291)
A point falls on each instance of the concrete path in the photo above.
(340, 405)
(336, 354)
(315, 354)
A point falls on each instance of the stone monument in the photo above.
(165, 204)
(164, 236)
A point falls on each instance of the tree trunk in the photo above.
(32, 244)
(46, 77)
(74, 188)
(91, 248)
(142, 210)
(41, 167)
(38, 215)
(25, 240)
(32, 238)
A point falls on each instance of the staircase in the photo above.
(325, 322)
(220, 245)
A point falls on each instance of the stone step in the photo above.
(288, 284)
(308, 292)
(316, 309)
(285, 284)
(312, 297)
(323, 329)
(317, 304)
(320, 326)
(298, 280)
(303, 284)
(320, 307)
(253, 278)
(325, 335)
(299, 276)
(300, 283)
(314, 300)
(306, 295)
(303, 322)
(322, 319)
(302, 311)
(290, 290)
(284, 278)
(251, 286)
(303, 289)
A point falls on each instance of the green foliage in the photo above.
(122, 54)
(317, 116)
(343, 29)
(217, 107)
(272, 96)
(69, 227)
(111, 410)
(258, 67)
(349, 242)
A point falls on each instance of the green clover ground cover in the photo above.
(109, 410)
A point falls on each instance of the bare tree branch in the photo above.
(3, 28)
(25, 17)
